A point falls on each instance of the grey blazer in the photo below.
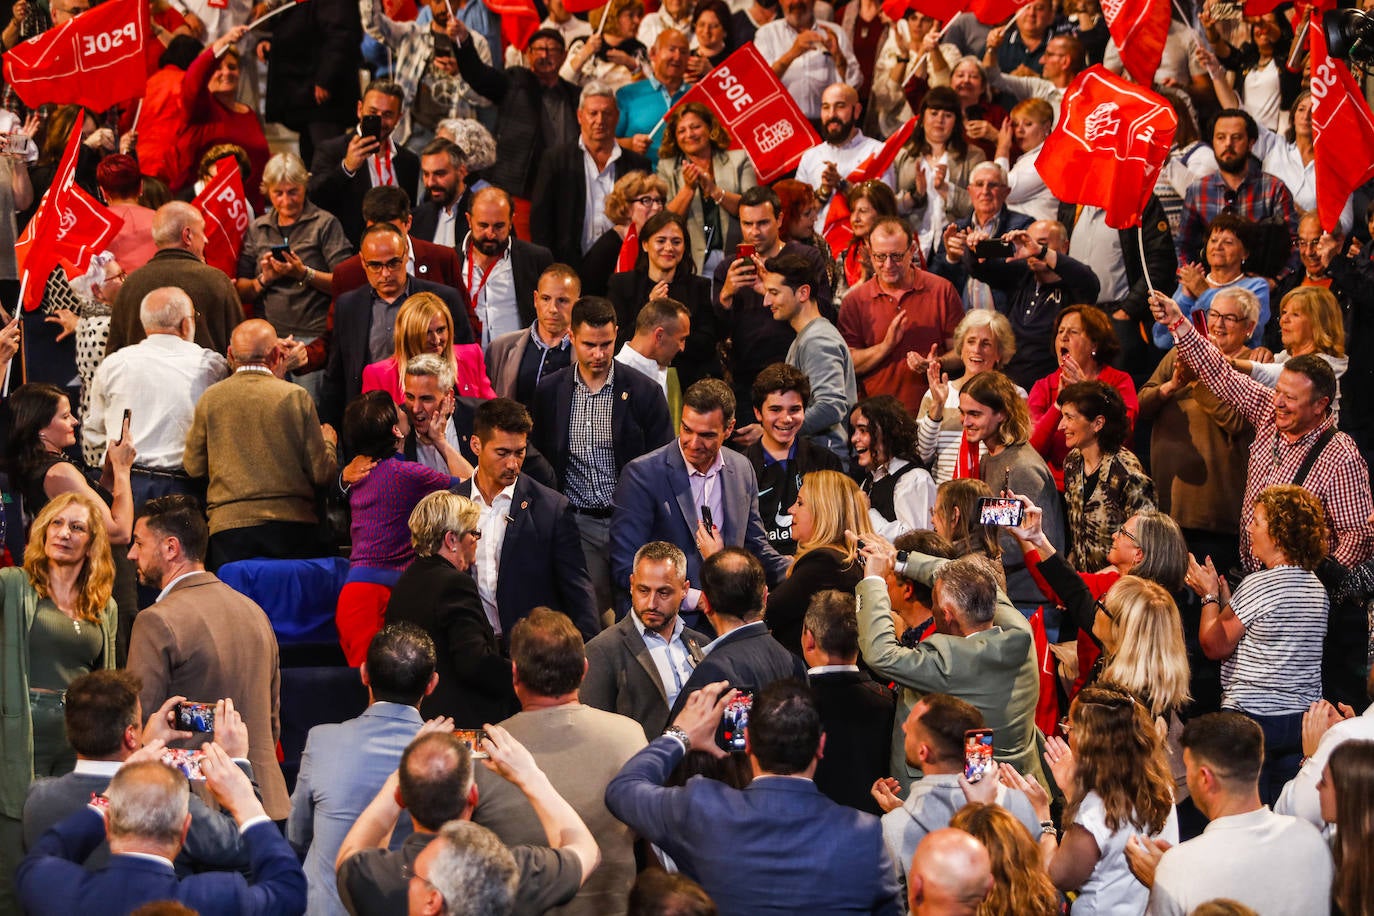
(622, 677)
(734, 174)
(503, 361)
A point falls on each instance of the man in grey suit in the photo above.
(982, 651)
(638, 667)
(104, 724)
(519, 360)
(344, 765)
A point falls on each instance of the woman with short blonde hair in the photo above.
(424, 325)
(440, 514)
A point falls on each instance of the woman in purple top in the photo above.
(380, 505)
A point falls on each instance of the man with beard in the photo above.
(1240, 186)
(499, 272)
(444, 171)
(645, 102)
(826, 165)
(809, 55)
(203, 640)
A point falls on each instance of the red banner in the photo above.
(1139, 28)
(995, 12)
(875, 165)
(1113, 136)
(583, 6)
(758, 112)
(940, 10)
(629, 250)
(519, 20)
(1341, 116)
(69, 225)
(227, 215)
(94, 60)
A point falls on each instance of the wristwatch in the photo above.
(901, 558)
(681, 735)
(1211, 599)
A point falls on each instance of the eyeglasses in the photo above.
(476, 534)
(1101, 605)
(117, 278)
(1224, 319)
(1134, 540)
(1309, 243)
(408, 872)
(887, 257)
(648, 200)
(391, 266)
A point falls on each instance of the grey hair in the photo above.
(1247, 300)
(995, 322)
(662, 551)
(970, 586)
(284, 168)
(171, 220)
(989, 164)
(436, 515)
(596, 89)
(148, 800)
(165, 308)
(472, 138)
(473, 871)
(85, 285)
(428, 364)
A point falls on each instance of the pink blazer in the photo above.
(472, 375)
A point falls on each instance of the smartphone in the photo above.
(195, 717)
(975, 113)
(443, 47)
(472, 737)
(730, 735)
(279, 252)
(743, 252)
(706, 517)
(994, 248)
(978, 760)
(371, 126)
(1001, 510)
(186, 760)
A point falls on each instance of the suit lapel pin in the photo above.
(624, 395)
(423, 268)
(524, 504)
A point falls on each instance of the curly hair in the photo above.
(1296, 522)
(995, 323)
(1020, 883)
(626, 189)
(890, 424)
(1121, 757)
(720, 140)
(1097, 326)
(95, 583)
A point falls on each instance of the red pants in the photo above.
(359, 615)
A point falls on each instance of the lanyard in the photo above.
(381, 165)
(472, 296)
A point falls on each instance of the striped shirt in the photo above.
(1277, 666)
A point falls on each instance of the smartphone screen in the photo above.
(195, 717)
(706, 517)
(743, 251)
(472, 737)
(978, 760)
(730, 736)
(1000, 510)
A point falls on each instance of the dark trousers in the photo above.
(268, 541)
(1282, 753)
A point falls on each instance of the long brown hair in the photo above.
(96, 581)
(1351, 769)
(1020, 884)
(1121, 758)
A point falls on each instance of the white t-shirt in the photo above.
(1111, 888)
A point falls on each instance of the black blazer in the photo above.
(856, 715)
(629, 291)
(332, 190)
(348, 352)
(527, 262)
(474, 678)
(424, 218)
(560, 198)
(813, 572)
(750, 659)
(639, 415)
(541, 559)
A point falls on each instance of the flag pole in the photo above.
(925, 54)
(605, 14)
(1144, 267)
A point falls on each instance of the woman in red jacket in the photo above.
(209, 95)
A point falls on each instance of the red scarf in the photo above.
(967, 465)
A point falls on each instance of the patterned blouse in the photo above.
(1094, 512)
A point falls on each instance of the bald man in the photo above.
(500, 272)
(179, 232)
(951, 874)
(259, 441)
(828, 165)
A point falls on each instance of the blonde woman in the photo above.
(424, 325)
(828, 504)
(613, 55)
(1310, 322)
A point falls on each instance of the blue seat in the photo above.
(298, 596)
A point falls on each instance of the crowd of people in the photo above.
(692, 536)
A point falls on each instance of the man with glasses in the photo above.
(987, 189)
(365, 318)
(1240, 186)
(903, 309)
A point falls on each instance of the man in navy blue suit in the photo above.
(778, 846)
(146, 825)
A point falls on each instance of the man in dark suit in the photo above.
(148, 820)
(104, 721)
(529, 555)
(732, 599)
(567, 212)
(856, 711)
(439, 217)
(660, 499)
(344, 168)
(499, 271)
(590, 420)
(820, 857)
(623, 674)
(364, 320)
(517, 362)
(988, 190)
(436, 593)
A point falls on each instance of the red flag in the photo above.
(583, 6)
(629, 250)
(995, 12)
(225, 208)
(69, 225)
(837, 232)
(1139, 28)
(94, 60)
(757, 110)
(519, 20)
(1113, 136)
(939, 10)
(1341, 116)
(875, 165)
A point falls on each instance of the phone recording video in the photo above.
(978, 760)
(730, 735)
(195, 717)
(472, 737)
(743, 252)
(1001, 510)
(994, 248)
(371, 126)
(186, 760)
